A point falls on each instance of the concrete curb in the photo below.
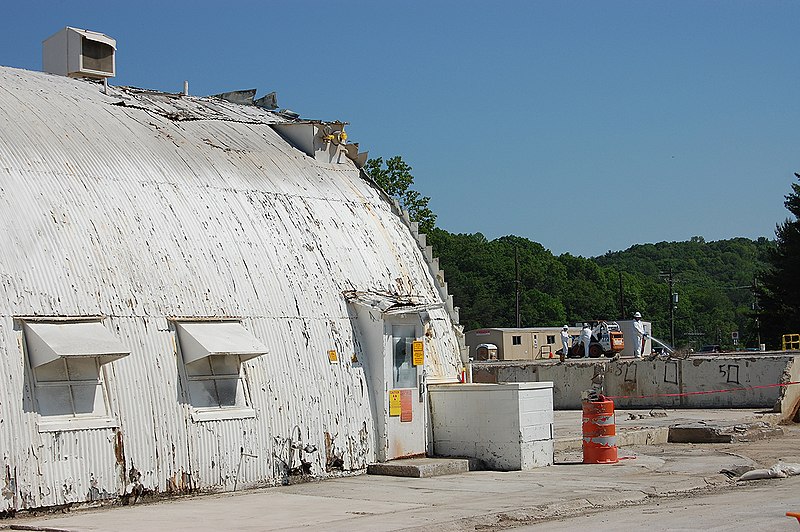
(644, 436)
(701, 432)
(425, 467)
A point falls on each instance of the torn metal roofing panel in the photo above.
(390, 303)
(244, 97)
(382, 301)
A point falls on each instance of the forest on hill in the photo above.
(715, 287)
(714, 283)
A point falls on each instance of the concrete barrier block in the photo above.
(537, 454)
(754, 381)
(535, 433)
(529, 419)
(486, 421)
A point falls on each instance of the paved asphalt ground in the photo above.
(654, 487)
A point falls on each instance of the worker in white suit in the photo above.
(586, 339)
(641, 334)
(564, 342)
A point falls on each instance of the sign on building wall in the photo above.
(400, 404)
(394, 402)
(405, 405)
(418, 351)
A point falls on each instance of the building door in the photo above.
(406, 400)
(396, 384)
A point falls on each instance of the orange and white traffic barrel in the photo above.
(599, 432)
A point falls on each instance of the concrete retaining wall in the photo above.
(693, 379)
(790, 401)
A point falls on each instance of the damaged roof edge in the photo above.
(389, 303)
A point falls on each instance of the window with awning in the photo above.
(66, 359)
(213, 353)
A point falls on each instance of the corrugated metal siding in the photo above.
(137, 213)
(441, 364)
(47, 468)
(76, 466)
(13, 424)
(145, 395)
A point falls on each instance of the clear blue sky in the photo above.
(585, 126)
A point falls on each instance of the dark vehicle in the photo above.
(710, 349)
(606, 340)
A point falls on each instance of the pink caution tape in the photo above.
(700, 393)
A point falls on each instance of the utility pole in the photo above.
(516, 285)
(755, 307)
(621, 299)
(757, 310)
(673, 303)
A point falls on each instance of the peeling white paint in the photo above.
(141, 207)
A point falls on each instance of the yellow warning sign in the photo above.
(394, 403)
(418, 352)
(333, 357)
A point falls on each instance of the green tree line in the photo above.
(714, 282)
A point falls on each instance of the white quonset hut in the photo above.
(191, 302)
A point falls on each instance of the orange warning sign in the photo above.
(405, 405)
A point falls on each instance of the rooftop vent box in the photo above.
(79, 54)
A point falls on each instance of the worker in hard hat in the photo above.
(586, 339)
(641, 334)
(564, 342)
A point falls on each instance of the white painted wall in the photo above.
(508, 426)
(146, 216)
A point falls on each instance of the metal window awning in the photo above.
(203, 338)
(47, 342)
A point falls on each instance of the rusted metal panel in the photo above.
(139, 207)
(304, 397)
(76, 466)
(229, 455)
(151, 445)
(12, 424)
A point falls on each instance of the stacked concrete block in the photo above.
(507, 426)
